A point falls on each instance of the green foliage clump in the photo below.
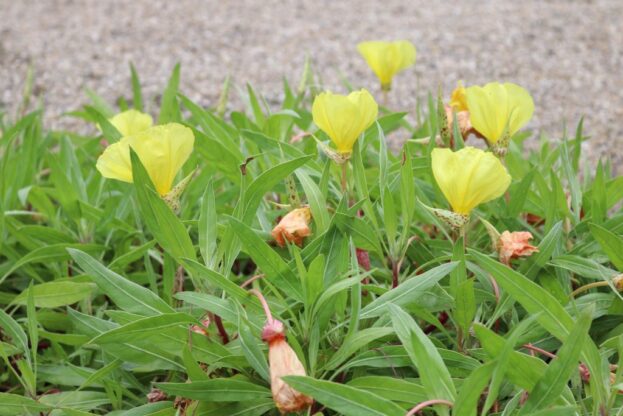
(113, 303)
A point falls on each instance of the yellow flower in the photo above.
(131, 122)
(387, 58)
(458, 99)
(344, 117)
(497, 107)
(163, 150)
(469, 177)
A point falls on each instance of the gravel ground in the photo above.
(569, 54)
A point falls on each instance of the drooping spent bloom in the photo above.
(294, 227)
(344, 117)
(386, 59)
(163, 150)
(497, 111)
(468, 178)
(131, 122)
(514, 245)
(283, 362)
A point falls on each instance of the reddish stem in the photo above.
(427, 403)
(395, 273)
(269, 316)
(539, 350)
(251, 280)
(221, 329)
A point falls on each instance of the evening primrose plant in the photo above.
(446, 278)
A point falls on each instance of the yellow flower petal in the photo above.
(131, 122)
(469, 177)
(344, 118)
(163, 150)
(458, 100)
(387, 58)
(495, 105)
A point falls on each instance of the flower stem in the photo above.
(251, 280)
(427, 403)
(269, 316)
(221, 329)
(587, 287)
(345, 178)
(539, 350)
(395, 273)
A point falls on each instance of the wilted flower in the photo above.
(156, 395)
(283, 362)
(294, 227)
(387, 58)
(497, 111)
(514, 245)
(163, 150)
(131, 122)
(468, 177)
(344, 117)
(618, 282)
(462, 120)
(201, 329)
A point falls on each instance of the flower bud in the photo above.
(283, 362)
(294, 227)
(514, 245)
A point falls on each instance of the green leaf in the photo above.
(126, 294)
(143, 328)
(169, 108)
(408, 292)
(551, 314)
(267, 259)
(471, 390)
(15, 331)
(56, 293)
(14, 405)
(556, 376)
(50, 253)
(522, 370)
(610, 243)
(394, 389)
(251, 347)
(433, 372)
(108, 130)
(547, 247)
(265, 182)
(216, 390)
(465, 308)
(346, 400)
(137, 95)
(152, 409)
(316, 200)
(166, 228)
(357, 341)
(208, 226)
(199, 271)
